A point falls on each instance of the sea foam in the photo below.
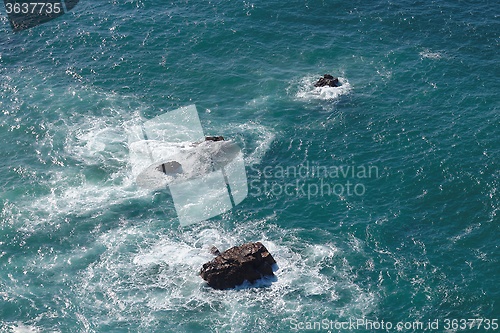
(307, 91)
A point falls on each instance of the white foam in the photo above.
(252, 137)
(23, 328)
(257, 141)
(162, 277)
(307, 91)
(430, 55)
(72, 193)
(134, 273)
(89, 159)
(102, 177)
(97, 141)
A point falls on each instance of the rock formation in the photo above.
(327, 81)
(214, 138)
(232, 267)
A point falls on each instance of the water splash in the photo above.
(307, 91)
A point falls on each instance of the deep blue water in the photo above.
(82, 249)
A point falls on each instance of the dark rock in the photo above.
(215, 251)
(327, 81)
(214, 138)
(232, 267)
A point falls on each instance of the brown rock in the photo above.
(232, 267)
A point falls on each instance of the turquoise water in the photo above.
(82, 249)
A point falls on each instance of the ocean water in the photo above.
(379, 199)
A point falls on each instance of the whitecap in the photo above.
(430, 55)
(307, 91)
